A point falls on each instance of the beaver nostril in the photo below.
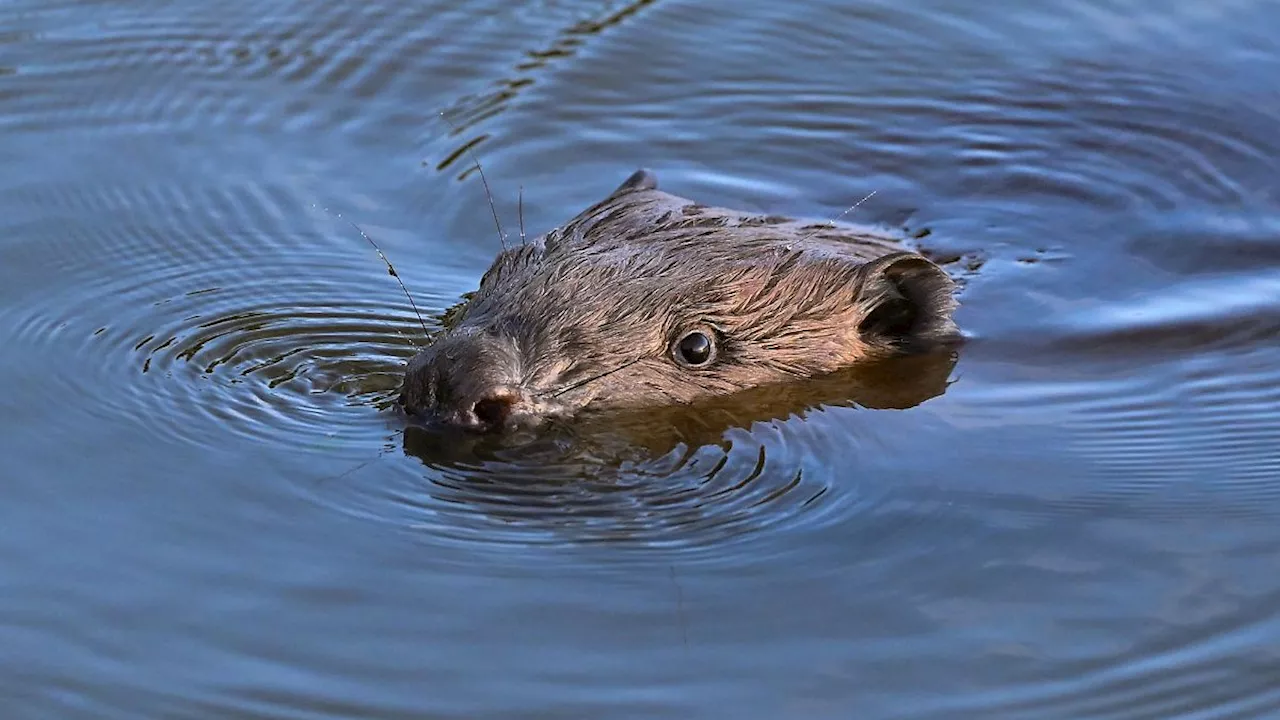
(493, 411)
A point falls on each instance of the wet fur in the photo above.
(585, 315)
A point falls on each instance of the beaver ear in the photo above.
(905, 303)
(641, 179)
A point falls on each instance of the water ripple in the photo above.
(1088, 127)
(332, 66)
(695, 503)
(732, 490)
(214, 308)
(1213, 669)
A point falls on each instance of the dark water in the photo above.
(206, 513)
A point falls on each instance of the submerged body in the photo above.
(648, 299)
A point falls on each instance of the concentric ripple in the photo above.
(696, 483)
(918, 106)
(697, 503)
(329, 66)
(218, 358)
(289, 331)
(295, 362)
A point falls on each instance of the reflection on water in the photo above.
(471, 110)
(693, 477)
(213, 510)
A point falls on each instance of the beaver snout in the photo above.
(470, 381)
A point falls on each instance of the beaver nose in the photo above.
(491, 412)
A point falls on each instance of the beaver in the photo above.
(647, 299)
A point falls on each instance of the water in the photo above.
(208, 512)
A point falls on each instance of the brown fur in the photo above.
(586, 315)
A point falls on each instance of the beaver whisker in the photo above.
(830, 224)
(593, 378)
(520, 214)
(392, 270)
(502, 236)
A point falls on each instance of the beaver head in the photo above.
(648, 299)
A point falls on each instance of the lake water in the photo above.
(208, 511)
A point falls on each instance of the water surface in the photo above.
(209, 513)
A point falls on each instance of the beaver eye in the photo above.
(694, 349)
